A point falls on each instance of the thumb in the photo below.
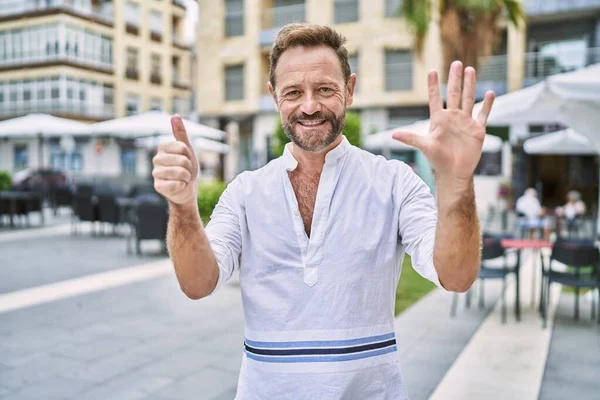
(411, 139)
(179, 130)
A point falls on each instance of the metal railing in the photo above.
(539, 7)
(86, 59)
(539, 65)
(62, 106)
(493, 68)
(19, 7)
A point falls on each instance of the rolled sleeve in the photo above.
(224, 233)
(417, 222)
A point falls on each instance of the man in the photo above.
(318, 234)
(532, 213)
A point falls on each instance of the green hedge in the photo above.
(5, 180)
(351, 131)
(208, 197)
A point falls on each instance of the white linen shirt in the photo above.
(319, 311)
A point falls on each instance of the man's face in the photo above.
(311, 96)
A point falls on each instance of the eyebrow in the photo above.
(318, 83)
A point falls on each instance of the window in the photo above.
(55, 88)
(155, 22)
(155, 64)
(131, 70)
(132, 104)
(392, 8)
(106, 50)
(128, 161)
(353, 61)
(156, 104)
(20, 157)
(490, 164)
(234, 82)
(132, 14)
(398, 70)
(234, 18)
(345, 11)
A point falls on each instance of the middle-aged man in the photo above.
(318, 234)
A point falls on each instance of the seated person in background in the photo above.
(572, 210)
(533, 214)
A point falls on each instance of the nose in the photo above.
(310, 104)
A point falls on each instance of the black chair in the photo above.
(84, 209)
(62, 196)
(492, 251)
(581, 258)
(149, 219)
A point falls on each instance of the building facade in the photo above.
(91, 60)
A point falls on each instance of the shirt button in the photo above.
(296, 213)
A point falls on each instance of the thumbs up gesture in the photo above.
(176, 167)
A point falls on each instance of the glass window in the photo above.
(132, 104)
(392, 8)
(55, 88)
(155, 21)
(345, 11)
(132, 13)
(398, 70)
(234, 17)
(156, 104)
(234, 82)
(21, 159)
(155, 64)
(353, 61)
(108, 96)
(132, 55)
(128, 161)
(27, 90)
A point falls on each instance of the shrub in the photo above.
(351, 131)
(208, 197)
(5, 180)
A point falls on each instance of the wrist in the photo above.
(187, 208)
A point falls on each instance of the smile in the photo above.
(312, 123)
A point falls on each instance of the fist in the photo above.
(176, 167)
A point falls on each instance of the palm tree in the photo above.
(469, 28)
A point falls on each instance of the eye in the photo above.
(325, 89)
(293, 93)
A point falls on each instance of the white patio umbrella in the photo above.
(200, 143)
(151, 123)
(45, 125)
(384, 140)
(39, 126)
(566, 141)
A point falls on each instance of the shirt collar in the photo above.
(290, 163)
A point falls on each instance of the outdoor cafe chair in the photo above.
(494, 265)
(149, 218)
(581, 259)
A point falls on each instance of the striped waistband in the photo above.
(320, 351)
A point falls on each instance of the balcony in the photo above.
(492, 74)
(66, 108)
(92, 62)
(539, 65)
(548, 7)
(180, 43)
(179, 83)
(103, 14)
(275, 18)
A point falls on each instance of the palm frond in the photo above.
(417, 14)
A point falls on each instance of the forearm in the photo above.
(457, 250)
(190, 251)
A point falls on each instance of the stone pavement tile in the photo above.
(228, 395)
(37, 369)
(98, 348)
(16, 356)
(205, 384)
(229, 362)
(56, 387)
(5, 392)
(125, 387)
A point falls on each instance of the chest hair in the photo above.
(305, 188)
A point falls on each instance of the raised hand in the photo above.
(455, 140)
(176, 167)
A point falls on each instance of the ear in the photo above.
(350, 89)
(273, 94)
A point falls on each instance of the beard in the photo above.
(319, 137)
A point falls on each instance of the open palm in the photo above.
(455, 140)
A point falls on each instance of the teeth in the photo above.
(311, 123)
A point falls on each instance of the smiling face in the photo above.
(311, 96)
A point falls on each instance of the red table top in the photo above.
(525, 243)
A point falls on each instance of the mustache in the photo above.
(312, 117)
